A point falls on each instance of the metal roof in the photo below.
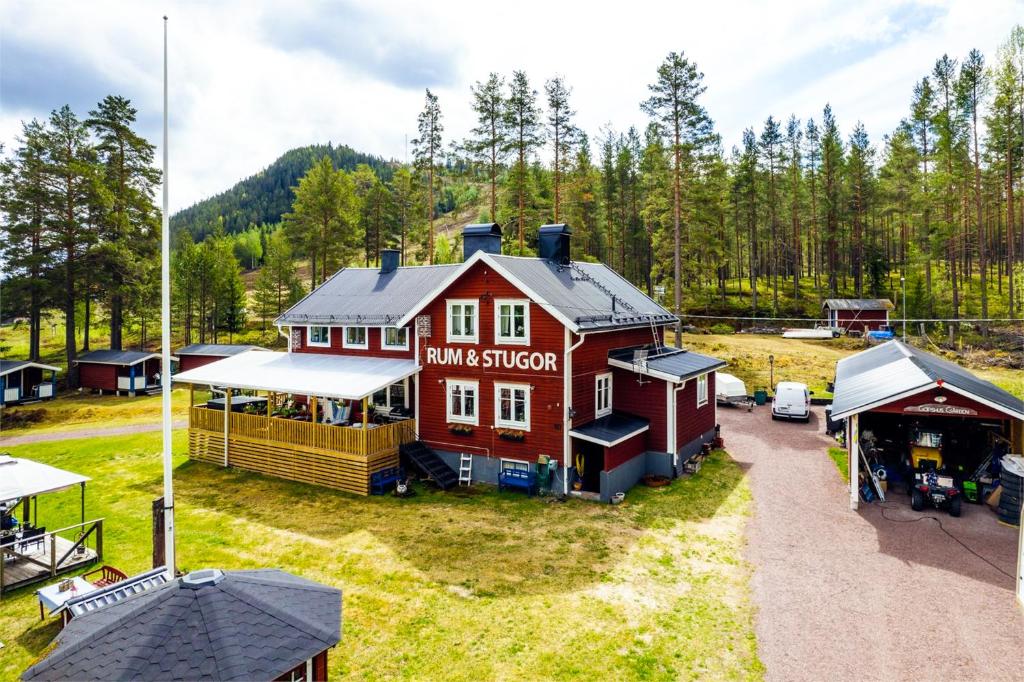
(611, 429)
(209, 625)
(894, 370)
(117, 357)
(8, 366)
(591, 296)
(344, 377)
(221, 350)
(663, 362)
(858, 304)
(366, 297)
(23, 478)
(111, 594)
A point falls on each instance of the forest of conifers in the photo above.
(799, 209)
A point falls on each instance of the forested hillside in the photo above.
(267, 195)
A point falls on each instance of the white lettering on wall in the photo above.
(494, 359)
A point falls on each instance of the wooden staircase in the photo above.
(428, 462)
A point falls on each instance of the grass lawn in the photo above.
(838, 455)
(463, 585)
(72, 411)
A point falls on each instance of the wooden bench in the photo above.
(381, 482)
(104, 575)
(518, 478)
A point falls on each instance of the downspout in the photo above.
(675, 426)
(567, 398)
(286, 337)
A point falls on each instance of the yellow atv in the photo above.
(929, 484)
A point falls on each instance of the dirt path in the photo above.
(88, 432)
(879, 594)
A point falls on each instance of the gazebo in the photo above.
(31, 553)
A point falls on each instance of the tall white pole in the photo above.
(903, 286)
(165, 348)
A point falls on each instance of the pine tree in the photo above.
(813, 156)
(488, 141)
(322, 220)
(561, 130)
(770, 144)
(794, 140)
(922, 114)
(429, 152)
(973, 86)
(523, 135)
(831, 167)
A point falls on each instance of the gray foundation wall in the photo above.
(692, 448)
(486, 469)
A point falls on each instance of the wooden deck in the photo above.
(53, 556)
(331, 456)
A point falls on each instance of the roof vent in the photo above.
(389, 260)
(204, 578)
(484, 237)
(553, 243)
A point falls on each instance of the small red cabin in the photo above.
(199, 354)
(119, 371)
(857, 314)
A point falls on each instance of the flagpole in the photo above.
(165, 349)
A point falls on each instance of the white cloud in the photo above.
(251, 80)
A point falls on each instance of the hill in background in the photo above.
(267, 195)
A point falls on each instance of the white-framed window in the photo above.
(462, 404)
(517, 464)
(318, 336)
(355, 337)
(512, 406)
(603, 395)
(512, 321)
(702, 390)
(462, 320)
(394, 338)
(392, 396)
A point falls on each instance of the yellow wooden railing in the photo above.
(355, 441)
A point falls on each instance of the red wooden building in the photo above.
(119, 371)
(857, 314)
(199, 354)
(520, 361)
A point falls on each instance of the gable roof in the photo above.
(858, 304)
(582, 296)
(220, 350)
(117, 357)
(671, 364)
(365, 296)
(235, 625)
(8, 366)
(894, 370)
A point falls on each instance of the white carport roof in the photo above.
(327, 376)
(24, 478)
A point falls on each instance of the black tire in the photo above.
(916, 500)
(774, 418)
(954, 507)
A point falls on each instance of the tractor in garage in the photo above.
(928, 482)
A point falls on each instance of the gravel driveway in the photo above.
(878, 594)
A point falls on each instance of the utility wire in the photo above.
(813, 319)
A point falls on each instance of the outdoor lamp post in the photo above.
(771, 370)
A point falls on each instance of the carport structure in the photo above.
(898, 387)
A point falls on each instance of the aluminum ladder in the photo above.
(465, 469)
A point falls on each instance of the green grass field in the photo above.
(462, 585)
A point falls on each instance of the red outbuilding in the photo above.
(119, 371)
(858, 315)
(199, 354)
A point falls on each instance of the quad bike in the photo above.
(929, 484)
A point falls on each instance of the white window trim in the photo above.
(383, 339)
(317, 344)
(355, 346)
(387, 395)
(498, 421)
(528, 466)
(598, 412)
(702, 380)
(460, 419)
(448, 320)
(511, 341)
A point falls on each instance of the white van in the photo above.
(792, 401)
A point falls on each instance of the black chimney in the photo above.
(553, 243)
(484, 237)
(389, 260)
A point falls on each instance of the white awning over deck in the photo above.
(327, 376)
(23, 478)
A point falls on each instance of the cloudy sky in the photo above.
(250, 80)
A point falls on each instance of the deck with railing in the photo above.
(340, 457)
(35, 559)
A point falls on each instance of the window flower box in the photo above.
(514, 435)
(461, 429)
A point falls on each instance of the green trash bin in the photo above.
(760, 396)
(544, 472)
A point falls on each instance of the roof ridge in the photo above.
(286, 617)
